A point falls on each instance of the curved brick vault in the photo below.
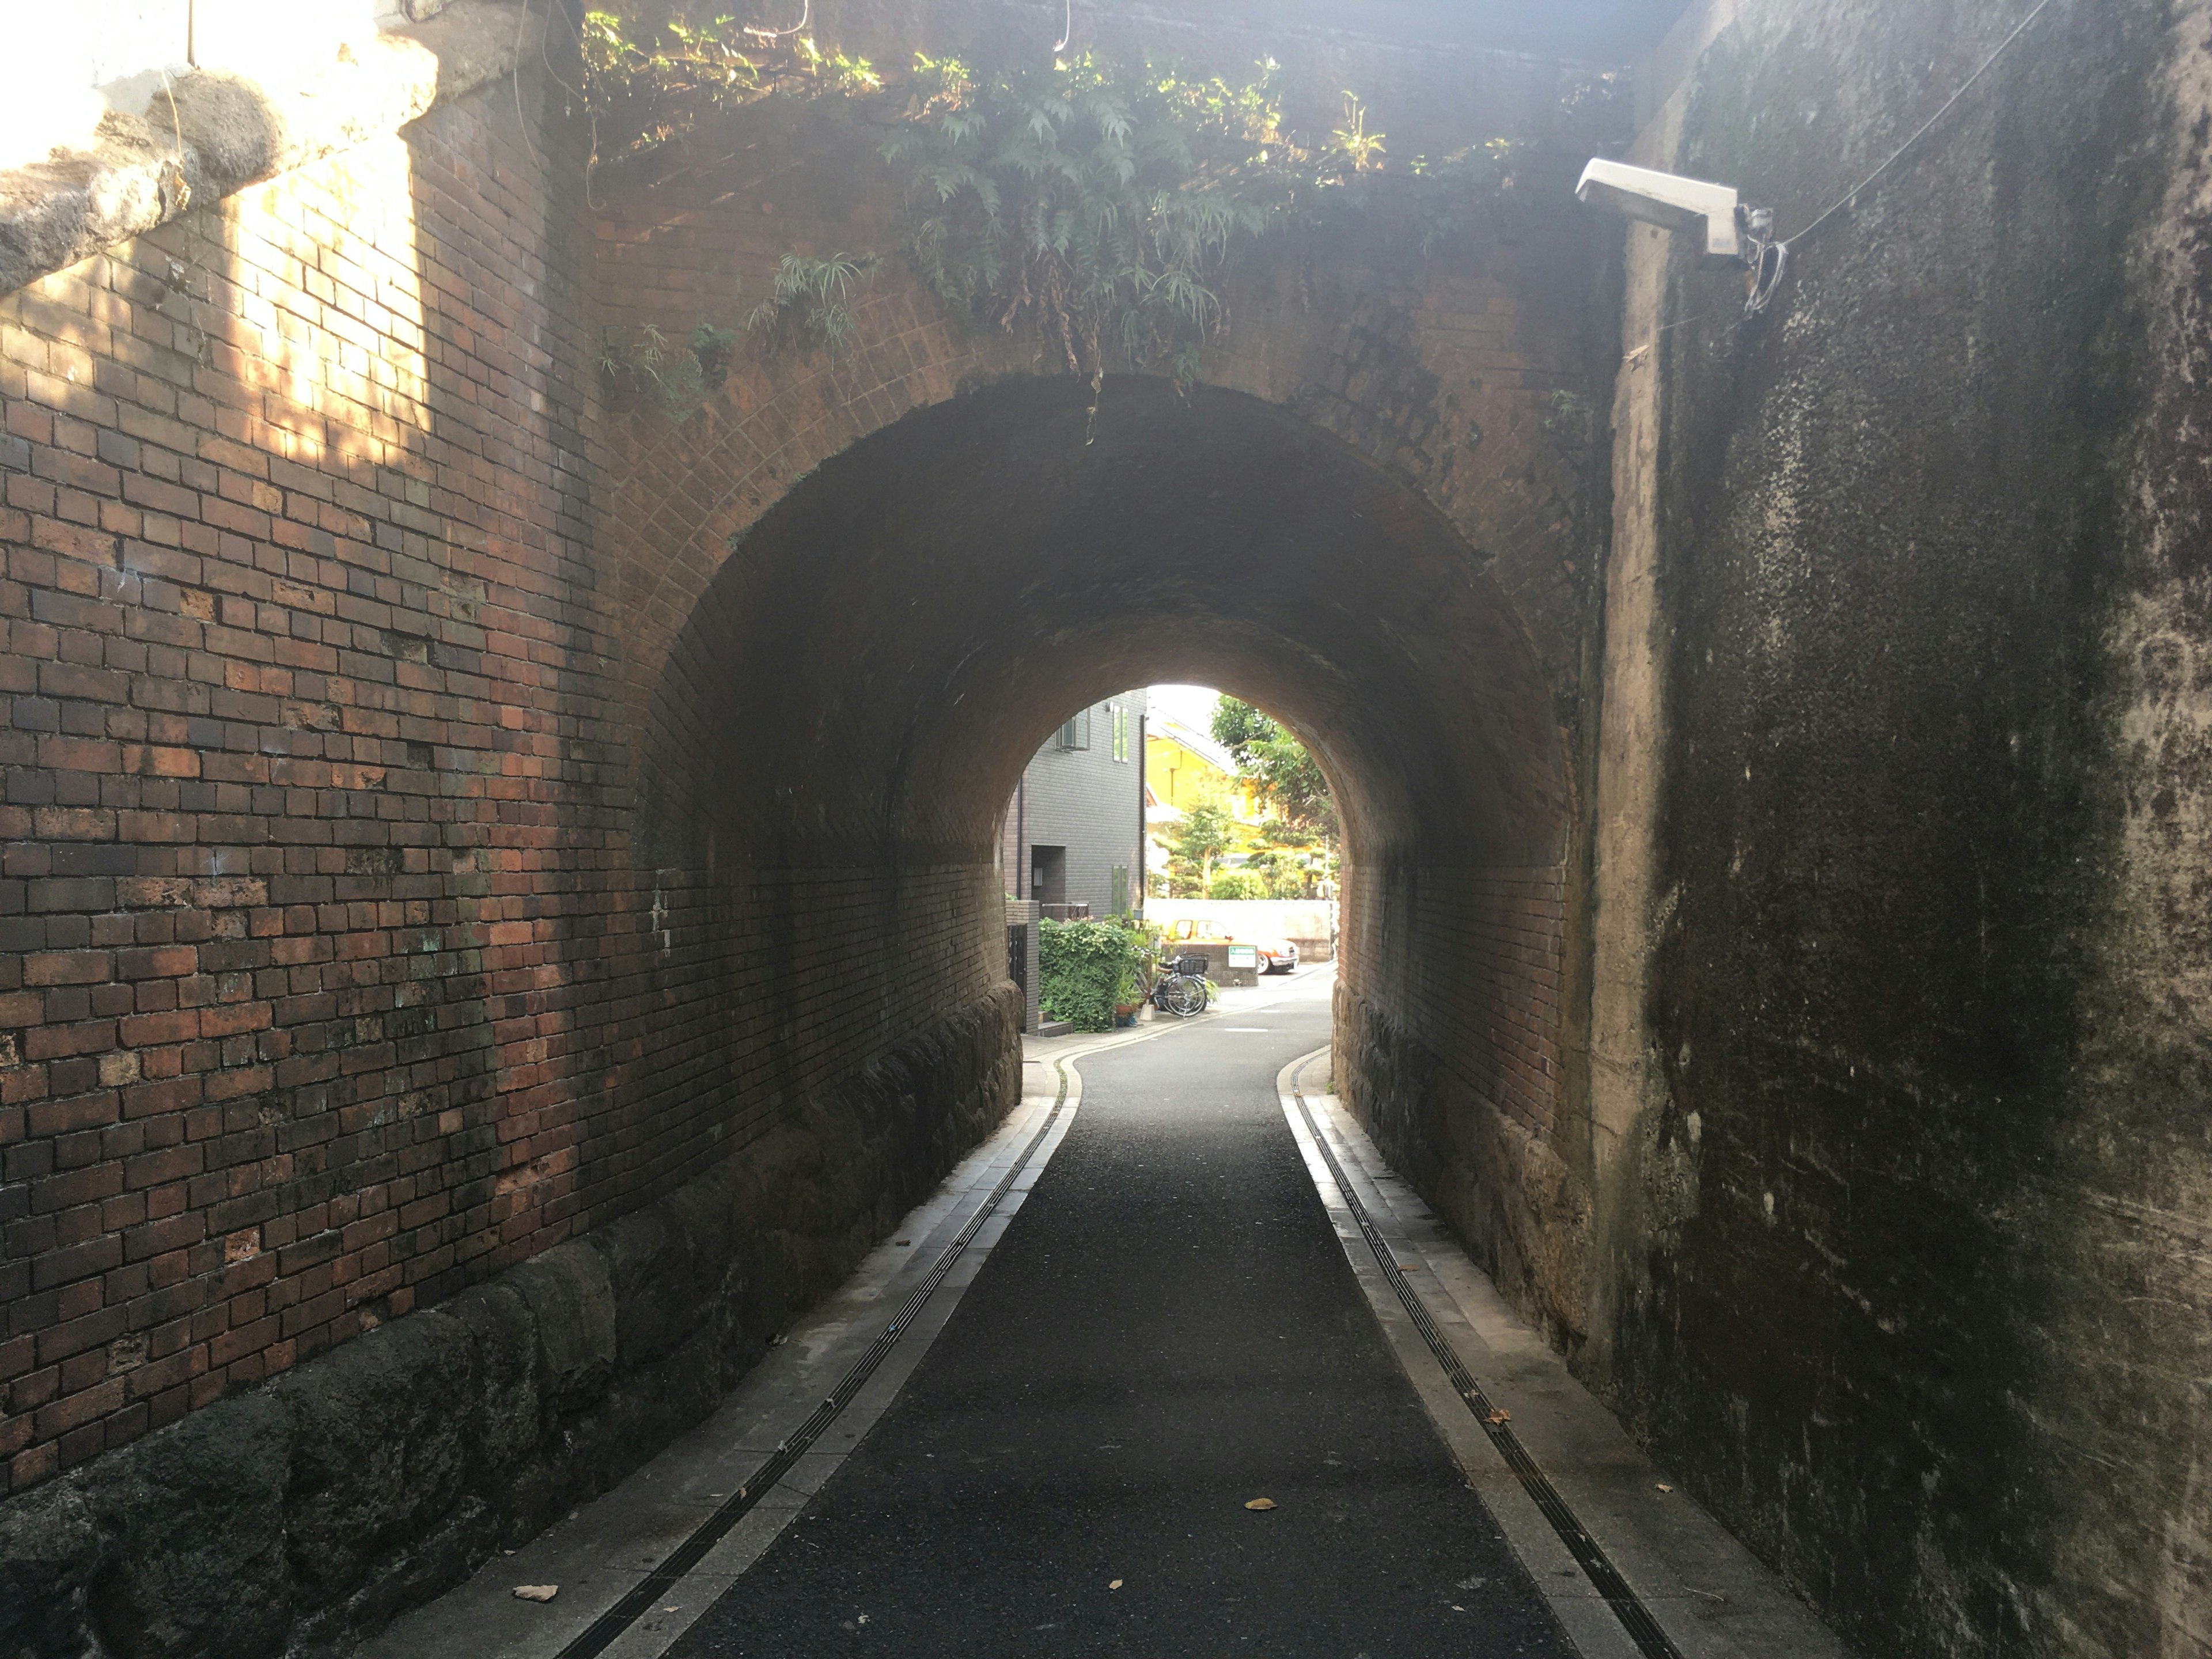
(869, 672)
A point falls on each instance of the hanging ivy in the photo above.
(1098, 205)
(1093, 205)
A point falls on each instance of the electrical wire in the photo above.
(805, 12)
(1927, 126)
(515, 80)
(1771, 257)
(180, 187)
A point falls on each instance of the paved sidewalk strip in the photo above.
(1712, 1597)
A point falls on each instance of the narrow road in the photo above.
(1168, 1330)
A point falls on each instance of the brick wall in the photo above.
(392, 869)
(1470, 962)
(330, 985)
(1452, 1021)
(302, 798)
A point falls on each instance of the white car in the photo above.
(1278, 956)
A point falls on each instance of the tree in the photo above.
(1206, 833)
(1284, 774)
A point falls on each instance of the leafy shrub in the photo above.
(1096, 202)
(1085, 969)
(1237, 885)
(810, 306)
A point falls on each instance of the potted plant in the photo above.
(1127, 998)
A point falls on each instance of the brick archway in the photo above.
(843, 710)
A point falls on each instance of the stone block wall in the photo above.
(292, 1518)
(1903, 1050)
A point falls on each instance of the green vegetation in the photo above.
(673, 376)
(1289, 783)
(650, 85)
(1096, 205)
(1088, 969)
(1282, 870)
(1237, 885)
(1285, 775)
(809, 306)
(1207, 830)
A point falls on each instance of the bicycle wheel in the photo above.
(1183, 996)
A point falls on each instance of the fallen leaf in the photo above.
(1260, 1504)
(1117, 1584)
(1663, 1486)
(535, 1592)
(1501, 1415)
(1409, 1267)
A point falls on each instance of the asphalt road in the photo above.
(1168, 1330)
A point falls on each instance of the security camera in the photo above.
(1669, 200)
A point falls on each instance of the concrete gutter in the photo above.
(230, 131)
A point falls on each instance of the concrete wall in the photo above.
(1901, 1028)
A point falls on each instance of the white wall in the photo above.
(73, 61)
(1248, 918)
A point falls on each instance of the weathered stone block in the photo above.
(380, 1454)
(572, 1310)
(51, 1553)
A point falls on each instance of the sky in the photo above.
(1191, 704)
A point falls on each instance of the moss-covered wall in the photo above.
(1906, 1236)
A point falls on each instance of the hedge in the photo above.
(1085, 969)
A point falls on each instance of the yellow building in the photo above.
(1185, 767)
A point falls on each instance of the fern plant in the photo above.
(649, 368)
(645, 88)
(810, 303)
(1098, 205)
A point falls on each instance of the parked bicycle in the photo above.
(1183, 989)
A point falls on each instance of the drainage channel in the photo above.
(1636, 1618)
(601, 1634)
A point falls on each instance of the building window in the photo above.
(1076, 734)
(1119, 905)
(1120, 731)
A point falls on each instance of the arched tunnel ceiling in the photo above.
(884, 649)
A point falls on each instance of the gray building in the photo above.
(1075, 826)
